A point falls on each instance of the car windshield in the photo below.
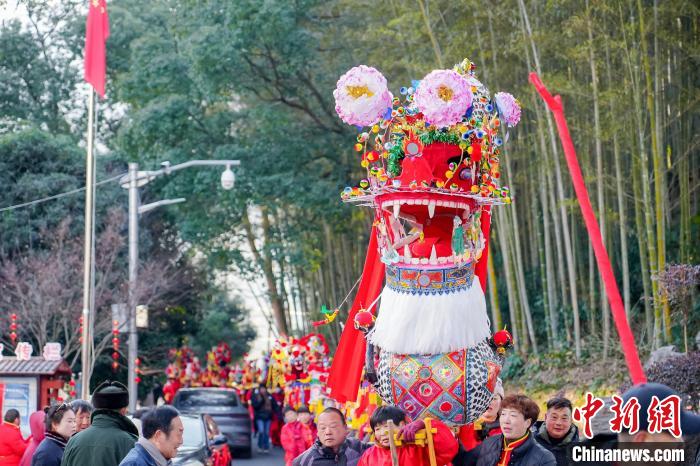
(223, 399)
(193, 436)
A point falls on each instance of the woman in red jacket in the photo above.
(12, 444)
(445, 443)
(295, 437)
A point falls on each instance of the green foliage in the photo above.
(224, 320)
(34, 164)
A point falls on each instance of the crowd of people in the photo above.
(80, 433)
(508, 433)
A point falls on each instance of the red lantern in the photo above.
(13, 328)
(115, 345)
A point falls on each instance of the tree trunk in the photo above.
(560, 190)
(265, 263)
(658, 258)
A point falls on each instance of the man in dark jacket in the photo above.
(110, 436)
(162, 435)
(516, 445)
(557, 432)
(332, 447)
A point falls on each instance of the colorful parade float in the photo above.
(299, 368)
(431, 157)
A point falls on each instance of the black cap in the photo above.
(690, 423)
(110, 395)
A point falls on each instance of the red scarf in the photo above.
(508, 449)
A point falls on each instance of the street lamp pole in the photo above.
(133, 180)
(133, 275)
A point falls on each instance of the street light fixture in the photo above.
(132, 181)
(228, 178)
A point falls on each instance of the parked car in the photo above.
(200, 439)
(226, 409)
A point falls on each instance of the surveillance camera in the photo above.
(228, 178)
(166, 166)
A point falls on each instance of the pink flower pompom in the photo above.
(443, 97)
(508, 107)
(362, 96)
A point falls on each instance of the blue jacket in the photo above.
(138, 456)
(48, 453)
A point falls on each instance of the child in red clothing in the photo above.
(304, 416)
(445, 444)
(295, 437)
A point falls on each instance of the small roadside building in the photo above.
(30, 384)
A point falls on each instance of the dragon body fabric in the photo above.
(432, 163)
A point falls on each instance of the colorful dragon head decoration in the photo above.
(432, 168)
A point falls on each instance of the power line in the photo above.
(58, 196)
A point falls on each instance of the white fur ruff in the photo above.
(431, 324)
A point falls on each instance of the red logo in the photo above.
(586, 413)
(626, 416)
(665, 415)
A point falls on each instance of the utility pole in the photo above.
(88, 288)
(133, 276)
(133, 180)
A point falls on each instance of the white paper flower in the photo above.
(443, 97)
(362, 96)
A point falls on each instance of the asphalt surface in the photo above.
(274, 458)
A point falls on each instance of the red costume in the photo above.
(12, 444)
(444, 442)
(170, 389)
(296, 439)
(471, 437)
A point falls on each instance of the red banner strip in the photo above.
(629, 348)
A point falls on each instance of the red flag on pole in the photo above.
(96, 34)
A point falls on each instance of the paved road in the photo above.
(274, 458)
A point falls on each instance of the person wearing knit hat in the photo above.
(111, 435)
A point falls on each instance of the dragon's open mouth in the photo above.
(429, 229)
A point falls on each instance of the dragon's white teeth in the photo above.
(431, 209)
(433, 256)
(407, 252)
(397, 209)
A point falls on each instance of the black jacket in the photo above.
(529, 453)
(349, 454)
(559, 450)
(258, 402)
(50, 451)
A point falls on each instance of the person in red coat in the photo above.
(305, 418)
(444, 442)
(295, 437)
(12, 444)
